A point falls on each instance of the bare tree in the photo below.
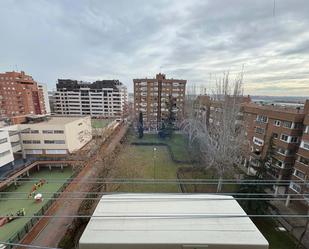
(217, 131)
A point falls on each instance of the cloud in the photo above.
(194, 40)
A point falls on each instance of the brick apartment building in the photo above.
(106, 98)
(301, 166)
(152, 97)
(206, 107)
(20, 95)
(277, 137)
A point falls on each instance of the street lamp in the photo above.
(154, 165)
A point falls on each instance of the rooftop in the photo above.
(122, 220)
(57, 120)
(275, 108)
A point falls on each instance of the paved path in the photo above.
(295, 226)
(49, 231)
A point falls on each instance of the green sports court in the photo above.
(9, 206)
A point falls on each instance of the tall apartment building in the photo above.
(301, 166)
(275, 135)
(206, 108)
(106, 98)
(152, 97)
(20, 95)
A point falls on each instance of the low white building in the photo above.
(49, 135)
(6, 152)
(56, 135)
(176, 221)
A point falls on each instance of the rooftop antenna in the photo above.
(160, 69)
(274, 9)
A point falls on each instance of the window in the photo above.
(258, 141)
(54, 141)
(58, 131)
(295, 187)
(55, 151)
(298, 126)
(34, 131)
(3, 140)
(48, 132)
(284, 137)
(275, 135)
(26, 131)
(27, 142)
(277, 122)
(7, 152)
(36, 141)
(259, 130)
(34, 152)
(305, 145)
(294, 139)
(261, 119)
(287, 124)
(279, 164)
(299, 174)
(281, 151)
(307, 129)
(303, 160)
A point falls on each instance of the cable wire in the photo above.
(166, 216)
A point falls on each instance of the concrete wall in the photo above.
(6, 153)
(78, 133)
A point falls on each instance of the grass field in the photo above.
(11, 206)
(143, 162)
(100, 123)
(276, 239)
(177, 143)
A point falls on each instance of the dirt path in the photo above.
(49, 231)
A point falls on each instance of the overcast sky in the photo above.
(193, 40)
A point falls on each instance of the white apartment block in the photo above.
(107, 98)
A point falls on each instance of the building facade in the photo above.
(301, 166)
(48, 136)
(6, 153)
(152, 98)
(275, 135)
(20, 95)
(106, 98)
(44, 95)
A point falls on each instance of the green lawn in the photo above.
(11, 206)
(100, 123)
(144, 162)
(210, 187)
(276, 239)
(177, 143)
